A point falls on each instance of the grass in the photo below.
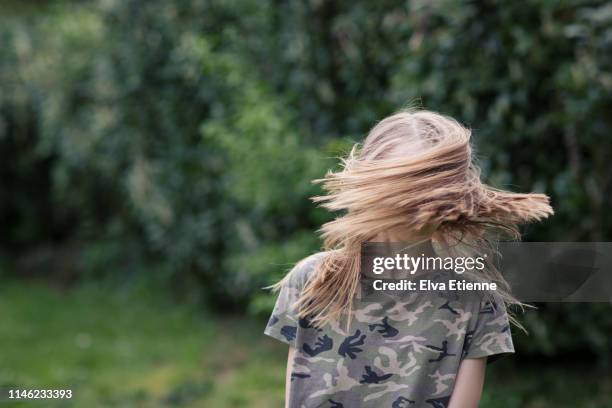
(132, 350)
(138, 349)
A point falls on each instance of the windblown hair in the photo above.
(413, 173)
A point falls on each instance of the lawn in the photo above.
(133, 349)
(136, 348)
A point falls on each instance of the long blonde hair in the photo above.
(414, 171)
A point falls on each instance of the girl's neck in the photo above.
(419, 243)
(398, 235)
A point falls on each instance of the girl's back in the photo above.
(412, 180)
(400, 350)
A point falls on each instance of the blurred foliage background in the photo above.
(173, 142)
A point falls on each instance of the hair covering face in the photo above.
(414, 172)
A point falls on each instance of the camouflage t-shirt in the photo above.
(400, 351)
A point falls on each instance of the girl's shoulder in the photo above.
(305, 269)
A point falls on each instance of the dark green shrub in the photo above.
(178, 138)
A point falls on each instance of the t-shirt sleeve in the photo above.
(284, 322)
(490, 336)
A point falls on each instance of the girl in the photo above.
(412, 180)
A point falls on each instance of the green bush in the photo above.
(177, 139)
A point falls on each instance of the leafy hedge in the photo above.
(177, 139)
